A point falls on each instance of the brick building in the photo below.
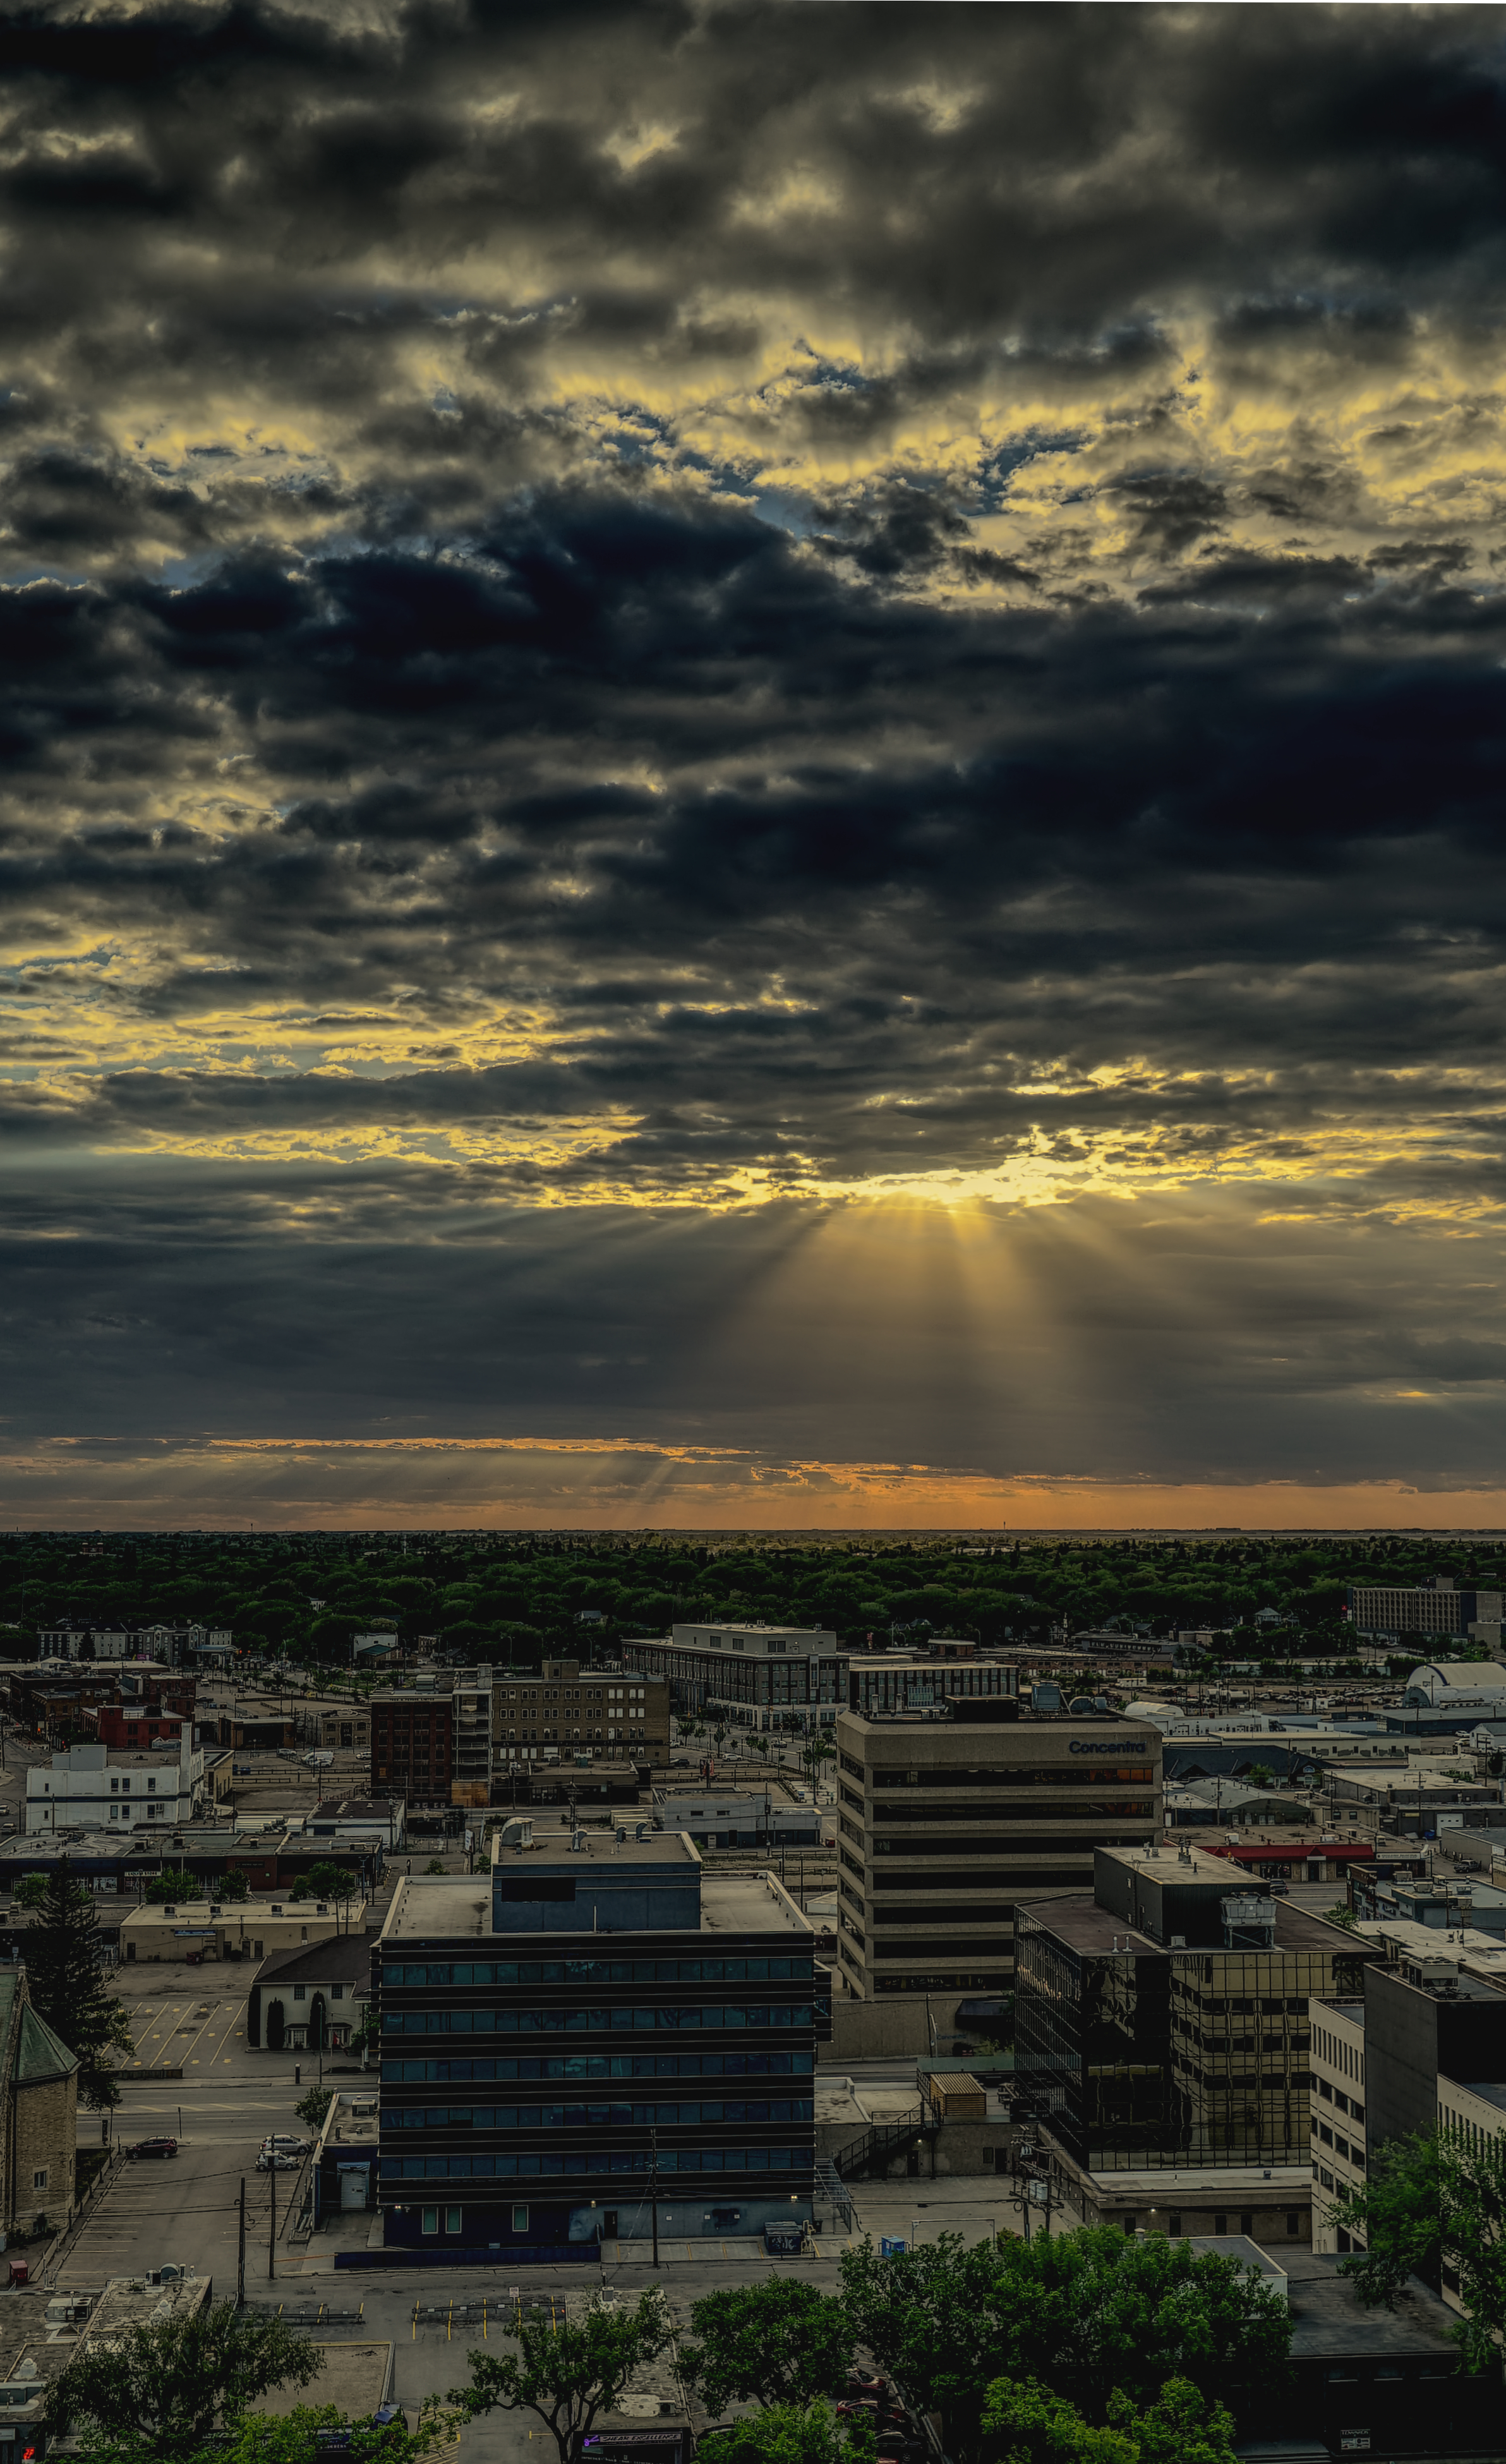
(412, 1745)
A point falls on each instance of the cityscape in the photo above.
(753, 1517)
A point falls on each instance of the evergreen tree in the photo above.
(65, 1985)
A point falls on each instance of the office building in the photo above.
(1163, 2029)
(946, 1819)
(568, 1713)
(1425, 2018)
(412, 1744)
(1337, 2121)
(762, 1676)
(589, 2034)
(1437, 1607)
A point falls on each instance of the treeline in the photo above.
(513, 1597)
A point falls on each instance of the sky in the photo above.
(753, 766)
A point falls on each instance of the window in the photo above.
(520, 2220)
(1246, 2223)
(300, 1992)
(1174, 2225)
(429, 2220)
(452, 2219)
(337, 1993)
(39, 2180)
(1220, 2223)
(1294, 2221)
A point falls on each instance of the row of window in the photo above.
(600, 2067)
(590, 2117)
(672, 2160)
(1326, 2138)
(1032, 1775)
(598, 1971)
(507, 2023)
(1075, 1809)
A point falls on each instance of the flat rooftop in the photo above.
(1494, 2091)
(553, 1854)
(1084, 1925)
(432, 1906)
(356, 2378)
(1326, 2315)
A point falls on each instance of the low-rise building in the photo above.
(338, 1729)
(346, 2155)
(310, 1999)
(204, 1929)
(715, 1816)
(39, 2113)
(763, 1676)
(359, 1818)
(85, 1786)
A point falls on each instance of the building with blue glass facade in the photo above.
(588, 2030)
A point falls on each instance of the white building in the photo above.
(89, 1788)
(1339, 2145)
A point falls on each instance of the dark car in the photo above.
(152, 2147)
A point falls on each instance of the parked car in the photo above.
(152, 2147)
(276, 2160)
(286, 2142)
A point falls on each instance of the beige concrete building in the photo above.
(946, 1819)
(237, 1928)
(1337, 2114)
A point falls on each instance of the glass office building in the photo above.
(627, 2032)
(1148, 2054)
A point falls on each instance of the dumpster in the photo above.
(20, 2270)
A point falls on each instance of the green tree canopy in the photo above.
(65, 1981)
(778, 2343)
(154, 2394)
(1182, 2426)
(1431, 2200)
(175, 1883)
(569, 2375)
(791, 2433)
(1084, 2313)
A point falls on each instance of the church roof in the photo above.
(40, 2054)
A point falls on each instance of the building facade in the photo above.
(88, 1787)
(1437, 1607)
(945, 1821)
(586, 2036)
(412, 1745)
(1164, 2024)
(211, 1929)
(1337, 2120)
(762, 1676)
(573, 1713)
(39, 2112)
(310, 1999)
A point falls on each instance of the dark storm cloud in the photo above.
(668, 602)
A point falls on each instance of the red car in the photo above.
(153, 2147)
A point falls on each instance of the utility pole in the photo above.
(272, 2228)
(240, 2253)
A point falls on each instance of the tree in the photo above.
(66, 1988)
(175, 2383)
(778, 2343)
(233, 1884)
(334, 1883)
(313, 2109)
(791, 2433)
(1182, 2426)
(569, 2375)
(289, 2439)
(1431, 2200)
(30, 1890)
(173, 1883)
(1086, 2313)
(1341, 1914)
